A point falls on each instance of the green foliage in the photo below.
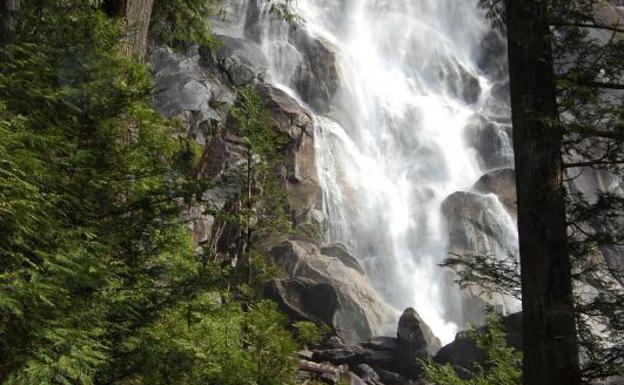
(310, 334)
(100, 282)
(204, 342)
(262, 207)
(178, 21)
(502, 364)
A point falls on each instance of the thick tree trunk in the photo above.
(9, 12)
(137, 15)
(550, 341)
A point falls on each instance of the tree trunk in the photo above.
(137, 15)
(8, 18)
(550, 341)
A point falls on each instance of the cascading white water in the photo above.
(393, 146)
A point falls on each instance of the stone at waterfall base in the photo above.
(376, 361)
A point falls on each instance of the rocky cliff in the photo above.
(198, 85)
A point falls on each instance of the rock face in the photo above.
(322, 287)
(474, 225)
(322, 283)
(299, 169)
(198, 87)
(501, 182)
(316, 77)
(492, 140)
(186, 89)
(304, 300)
(240, 60)
(415, 341)
(378, 360)
(479, 225)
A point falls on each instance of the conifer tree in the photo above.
(100, 281)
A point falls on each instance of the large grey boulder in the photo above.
(462, 83)
(356, 313)
(479, 226)
(303, 299)
(415, 341)
(241, 60)
(492, 140)
(501, 182)
(186, 89)
(339, 251)
(316, 77)
(463, 351)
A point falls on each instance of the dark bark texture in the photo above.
(9, 11)
(550, 342)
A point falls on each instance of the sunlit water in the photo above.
(393, 146)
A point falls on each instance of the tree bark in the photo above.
(550, 340)
(137, 20)
(8, 18)
(137, 15)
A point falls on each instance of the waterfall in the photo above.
(391, 143)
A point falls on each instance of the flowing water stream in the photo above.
(392, 146)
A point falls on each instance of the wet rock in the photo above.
(492, 140)
(303, 299)
(358, 312)
(381, 343)
(316, 77)
(415, 341)
(350, 355)
(475, 226)
(501, 182)
(478, 225)
(338, 250)
(469, 89)
(287, 115)
(390, 378)
(492, 58)
(459, 81)
(302, 184)
(367, 373)
(382, 359)
(241, 60)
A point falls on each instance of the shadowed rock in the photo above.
(415, 341)
(358, 312)
(464, 353)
